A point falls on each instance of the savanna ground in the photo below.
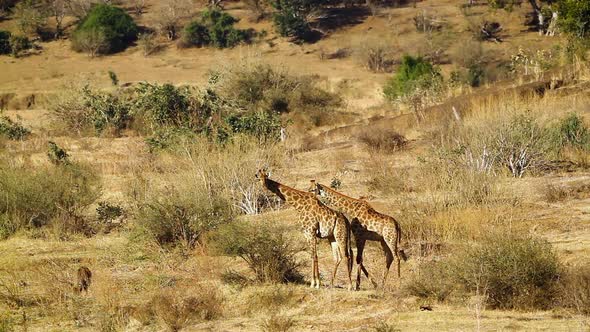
(140, 284)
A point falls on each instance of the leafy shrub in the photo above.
(117, 27)
(108, 212)
(215, 28)
(181, 218)
(266, 249)
(264, 125)
(571, 131)
(167, 105)
(413, 73)
(18, 44)
(221, 29)
(290, 17)
(195, 34)
(13, 130)
(514, 272)
(83, 109)
(51, 196)
(574, 17)
(106, 110)
(57, 155)
(5, 42)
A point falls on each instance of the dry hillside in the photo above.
(173, 224)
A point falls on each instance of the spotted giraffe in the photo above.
(316, 221)
(367, 225)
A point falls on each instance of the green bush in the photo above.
(572, 131)
(267, 250)
(117, 27)
(179, 218)
(574, 17)
(195, 34)
(50, 196)
(514, 272)
(18, 44)
(413, 74)
(13, 130)
(106, 110)
(263, 125)
(214, 28)
(166, 105)
(290, 17)
(5, 42)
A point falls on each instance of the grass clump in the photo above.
(176, 311)
(111, 24)
(266, 249)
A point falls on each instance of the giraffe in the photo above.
(316, 220)
(367, 225)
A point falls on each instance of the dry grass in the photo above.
(139, 285)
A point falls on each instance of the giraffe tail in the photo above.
(400, 250)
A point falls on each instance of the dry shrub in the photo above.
(278, 323)
(257, 86)
(375, 55)
(575, 289)
(54, 196)
(385, 178)
(430, 282)
(383, 140)
(147, 43)
(513, 272)
(176, 311)
(269, 253)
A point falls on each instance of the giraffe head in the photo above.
(317, 188)
(262, 174)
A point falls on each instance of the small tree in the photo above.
(58, 10)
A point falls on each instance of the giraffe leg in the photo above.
(342, 240)
(317, 267)
(387, 250)
(312, 249)
(337, 259)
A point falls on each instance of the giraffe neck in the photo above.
(298, 199)
(342, 202)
